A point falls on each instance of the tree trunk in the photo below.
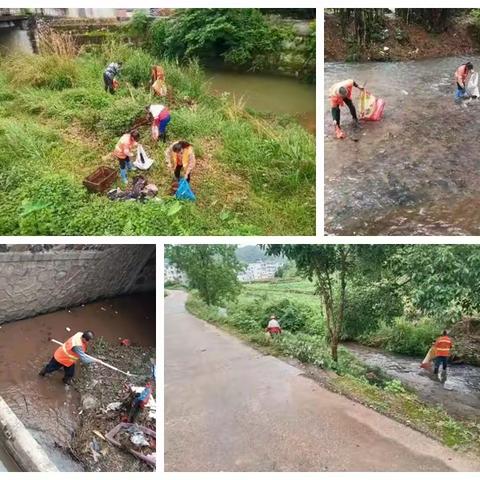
(334, 348)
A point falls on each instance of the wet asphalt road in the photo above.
(231, 408)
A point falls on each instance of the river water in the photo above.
(48, 408)
(417, 171)
(459, 395)
(269, 93)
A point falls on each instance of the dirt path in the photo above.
(230, 408)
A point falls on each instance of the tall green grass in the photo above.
(58, 125)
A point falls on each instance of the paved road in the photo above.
(230, 408)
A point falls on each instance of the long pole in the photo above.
(101, 362)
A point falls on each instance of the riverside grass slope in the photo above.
(255, 173)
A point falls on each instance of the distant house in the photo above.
(173, 274)
(259, 271)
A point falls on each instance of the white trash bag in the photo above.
(143, 161)
(472, 85)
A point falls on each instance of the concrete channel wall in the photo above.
(20, 444)
(36, 279)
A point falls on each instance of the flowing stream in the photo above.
(48, 408)
(459, 394)
(415, 172)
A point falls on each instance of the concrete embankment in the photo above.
(20, 444)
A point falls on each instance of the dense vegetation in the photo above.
(396, 297)
(254, 175)
(239, 38)
(363, 29)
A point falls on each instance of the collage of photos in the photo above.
(310, 301)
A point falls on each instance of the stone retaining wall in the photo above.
(40, 278)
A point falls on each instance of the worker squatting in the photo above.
(341, 93)
(179, 156)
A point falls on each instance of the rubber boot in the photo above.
(339, 132)
(123, 175)
(42, 372)
(163, 136)
(67, 381)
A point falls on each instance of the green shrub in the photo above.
(368, 304)
(136, 69)
(404, 336)
(157, 35)
(121, 115)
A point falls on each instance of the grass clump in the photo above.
(51, 71)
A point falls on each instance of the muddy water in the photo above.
(46, 406)
(269, 93)
(459, 395)
(417, 171)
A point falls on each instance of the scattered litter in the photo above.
(103, 308)
(98, 434)
(143, 161)
(140, 190)
(116, 313)
(138, 438)
(113, 406)
(95, 449)
(125, 342)
(404, 92)
(67, 329)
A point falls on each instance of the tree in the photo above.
(328, 266)
(331, 267)
(211, 269)
(238, 36)
(439, 278)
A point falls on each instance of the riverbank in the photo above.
(400, 42)
(352, 378)
(255, 171)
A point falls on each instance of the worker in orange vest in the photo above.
(68, 354)
(341, 94)
(124, 152)
(443, 345)
(461, 75)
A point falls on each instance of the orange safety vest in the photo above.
(184, 158)
(443, 346)
(65, 354)
(461, 73)
(336, 99)
(124, 146)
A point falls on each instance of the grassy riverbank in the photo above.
(349, 376)
(255, 173)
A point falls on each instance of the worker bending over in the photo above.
(273, 327)
(443, 345)
(159, 115)
(461, 75)
(178, 156)
(124, 152)
(68, 354)
(109, 76)
(341, 94)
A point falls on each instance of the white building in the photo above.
(259, 271)
(173, 274)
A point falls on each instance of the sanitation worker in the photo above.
(68, 354)
(109, 75)
(157, 81)
(159, 115)
(443, 345)
(179, 155)
(341, 94)
(273, 327)
(461, 75)
(124, 152)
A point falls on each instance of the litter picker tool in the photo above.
(101, 362)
